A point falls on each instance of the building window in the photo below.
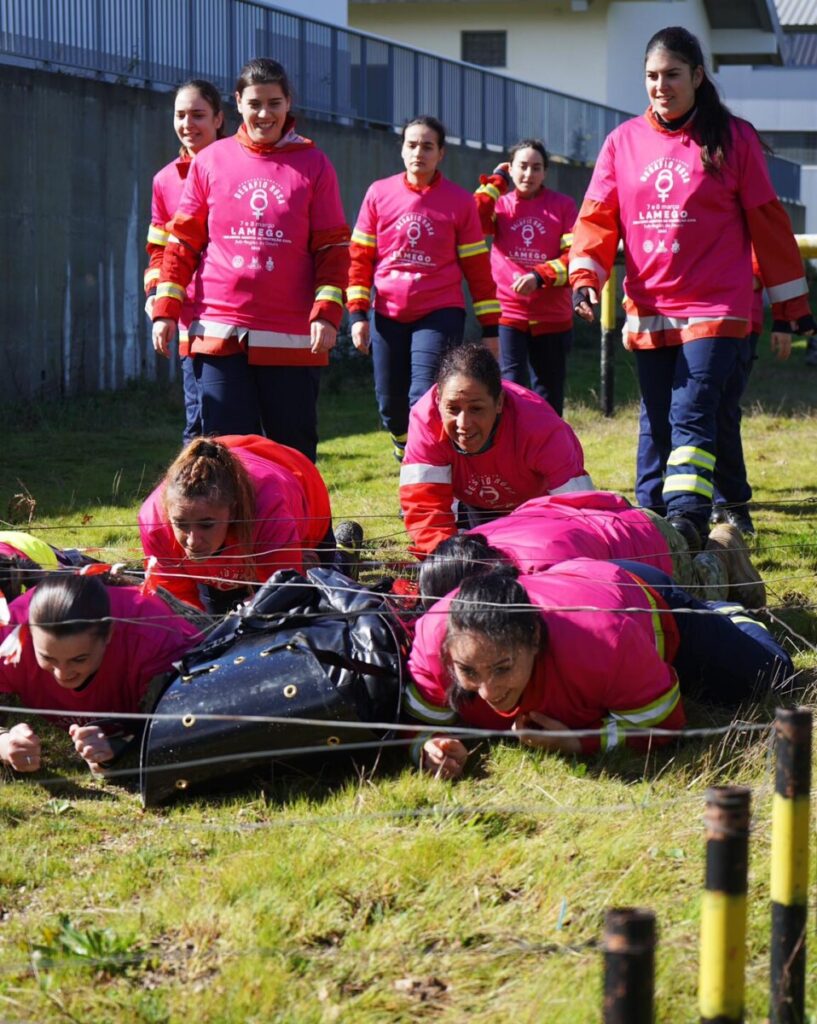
(486, 48)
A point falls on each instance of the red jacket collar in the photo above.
(420, 189)
(289, 140)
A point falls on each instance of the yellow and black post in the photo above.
(629, 966)
(608, 344)
(723, 911)
(789, 881)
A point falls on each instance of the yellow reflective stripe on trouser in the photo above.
(688, 483)
(488, 306)
(688, 455)
(329, 293)
(168, 290)
(471, 249)
(358, 291)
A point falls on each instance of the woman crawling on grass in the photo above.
(77, 648)
(231, 511)
(594, 524)
(587, 645)
(485, 442)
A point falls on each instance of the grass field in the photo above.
(380, 896)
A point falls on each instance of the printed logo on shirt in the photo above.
(415, 229)
(488, 490)
(528, 235)
(661, 205)
(257, 198)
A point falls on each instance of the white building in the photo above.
(592, 49)
(333, 11)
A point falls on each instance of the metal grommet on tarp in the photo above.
(239, 660)
(290, 690)
(333, 741)
(189, 721)
(182, 783)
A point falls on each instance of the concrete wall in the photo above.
(75, 185)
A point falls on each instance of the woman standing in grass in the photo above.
(533, 230)
(686, 189)
(417, 235)
(261, 226)
(229, 512)
(485, 442)
(198, 120)
(585, 646)
(80, 648)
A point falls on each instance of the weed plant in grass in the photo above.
(381, 896)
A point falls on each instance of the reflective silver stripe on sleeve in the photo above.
(420, 473)
(787, 290)
(578, 483)
(586, 263)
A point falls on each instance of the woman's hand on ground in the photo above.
(91, 744)
(541, 737)
(444, 757)
(20, 747)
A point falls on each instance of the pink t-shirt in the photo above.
(257, 270)
(141, 648)
(528, 232)
(686, 241)
(420, 237)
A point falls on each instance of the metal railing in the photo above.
(336, 72)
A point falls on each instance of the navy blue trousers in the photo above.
(280, 402)
(731, 484)
(406, 358)
(682, 390)
(724, 658)
(539, 362)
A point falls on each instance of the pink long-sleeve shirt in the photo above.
(601, 667)
(144, 646)
(581, 524)
(534, 452)
(527, 233)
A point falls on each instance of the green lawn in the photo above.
(380, 896)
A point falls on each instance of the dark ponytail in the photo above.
(66, 605)
(712, 127)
